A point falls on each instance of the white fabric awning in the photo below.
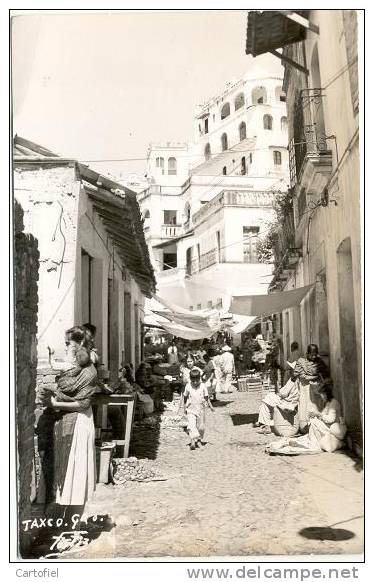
(262, 305)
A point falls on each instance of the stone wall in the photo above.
(26, 264)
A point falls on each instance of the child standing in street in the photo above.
(196, 399)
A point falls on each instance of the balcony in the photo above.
(310, 157)
(233, 198)
(203, 262)
(286, 253)
(171, 230)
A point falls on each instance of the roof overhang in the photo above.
(273, 29)
(171, 241)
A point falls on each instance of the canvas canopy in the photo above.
(262, 305)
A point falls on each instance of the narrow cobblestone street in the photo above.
(231, 499)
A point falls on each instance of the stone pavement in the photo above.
(232, 499)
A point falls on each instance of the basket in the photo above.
(286, 423)
(249, 384)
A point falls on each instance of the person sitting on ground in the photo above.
(291, 362)
(326, 432)
(196, 398)
(309, 373)
(286, 399)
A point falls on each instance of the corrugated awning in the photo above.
(262, 305)
(271, 29)
(119, 211)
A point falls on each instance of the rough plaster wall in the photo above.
(48, 196)
(26, 303)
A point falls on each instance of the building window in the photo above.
(170, 261)
(259, 95)
(198, 306)
(224, 142)
(219, 304)
(210, 304)
(207, 152)
(239, 101)
(243, 166)
(277, 156)
(86, 283)
(224, 171)
(350, 33)
(160, 165)
(250, 158)
(170, 217)
(268, 122)
(225, 111)
(172, 167)
(250, 238)
(280, 94)
(284, 124)
(187, 212)
(206, 125)
(242, 131)
(218, 239)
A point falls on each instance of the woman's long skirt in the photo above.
(80, 477)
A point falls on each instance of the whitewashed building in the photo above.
(320, 56)
(208, 202)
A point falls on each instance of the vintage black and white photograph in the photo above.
(187, 230)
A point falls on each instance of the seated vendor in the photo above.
(286, 399)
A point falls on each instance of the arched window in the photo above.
(242, 131)
(224, 142)
(243, 166)
(172, 167)
(268, 122)
(284, 124)
(239, 101)
(280, 94)
(277, 156)
(259, 95)
(160, 164)
(207, 152)
(225, 111)
(224, 171)
(250, 158)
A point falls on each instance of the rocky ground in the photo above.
(230, 498)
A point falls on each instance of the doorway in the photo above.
(348, 341)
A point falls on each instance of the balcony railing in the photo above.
(309, 137)
(226, 198)
(170, 230)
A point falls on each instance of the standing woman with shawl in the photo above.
(310, 372)
(74, 438)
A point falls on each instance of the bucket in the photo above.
(103, 455)
(286, 422)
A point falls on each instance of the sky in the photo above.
(102, 86)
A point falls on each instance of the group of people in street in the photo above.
(307, 398)
(66, 429)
